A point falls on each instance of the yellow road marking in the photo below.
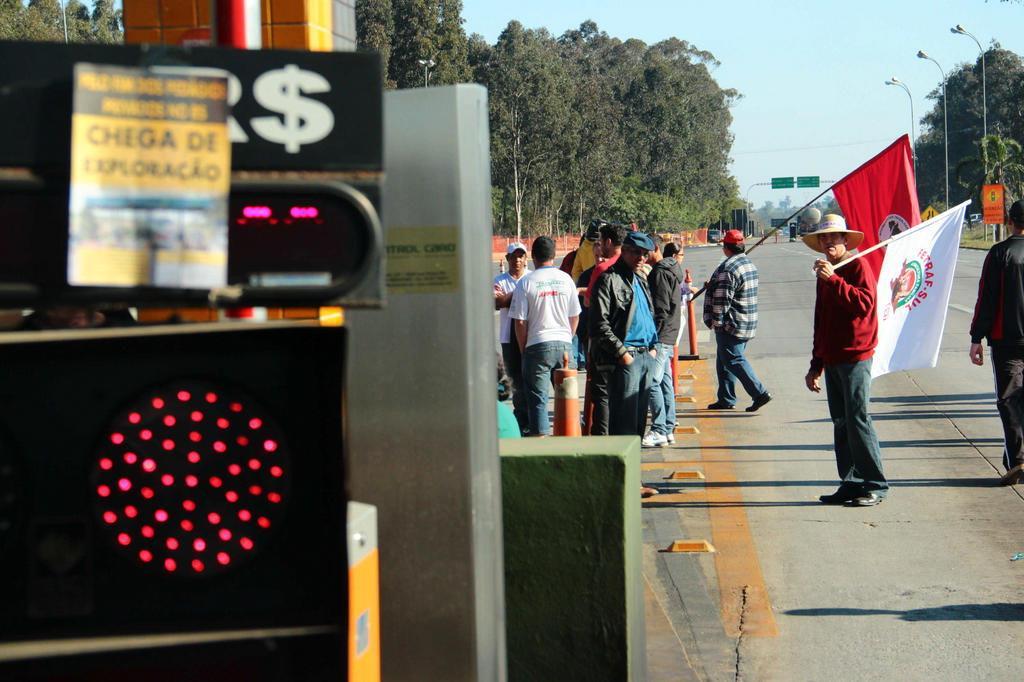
(740, 582)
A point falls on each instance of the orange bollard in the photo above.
(567, 401)
(691, 320)
(675, 369)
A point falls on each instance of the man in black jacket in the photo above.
(623, 335)
(665, 283)
(999, 317)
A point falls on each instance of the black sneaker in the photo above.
(869, 500)
(719, 405)
(840, 497)
(760, 401)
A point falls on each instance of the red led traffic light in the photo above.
(192, 478)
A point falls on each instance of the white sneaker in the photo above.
(653, 440)
(670, 438)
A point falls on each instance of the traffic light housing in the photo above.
(303, 242)
(172, 486)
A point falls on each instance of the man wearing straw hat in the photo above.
(845, 336)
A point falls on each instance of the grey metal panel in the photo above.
(421, 403)
(343, 24)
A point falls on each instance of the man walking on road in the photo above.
(845, 336)
(665, 282)
(623, 336)
(999, 317)
(730, 309)
(546, 310)
(504, 285)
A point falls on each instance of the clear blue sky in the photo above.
(812, 74)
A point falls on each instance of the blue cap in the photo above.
(640, 240)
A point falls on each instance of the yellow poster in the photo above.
(422, 260)
(150, 175)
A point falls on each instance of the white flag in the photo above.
(914, 285)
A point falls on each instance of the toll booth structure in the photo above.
(173, 498)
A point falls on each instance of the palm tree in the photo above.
(1000, 161)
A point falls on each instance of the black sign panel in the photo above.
(291, 110)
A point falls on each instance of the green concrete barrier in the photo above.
(573, 591)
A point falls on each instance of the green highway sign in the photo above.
(808, 181)
(782, 183)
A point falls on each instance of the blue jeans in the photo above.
(577, 353)
(730, 364)
(539, 364)
(628, 396)
(663, 392)
(513, 358)
(858, 457)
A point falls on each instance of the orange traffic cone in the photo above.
(567, 400)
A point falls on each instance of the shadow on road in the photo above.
(992, 482)
(950, 398)
(827, 447)
(919, 414)
(997, 611)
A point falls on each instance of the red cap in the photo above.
(733, 237)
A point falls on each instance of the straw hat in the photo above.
(833, 224)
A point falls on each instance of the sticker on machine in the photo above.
(422, 260)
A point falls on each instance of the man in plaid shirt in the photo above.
(730, 309)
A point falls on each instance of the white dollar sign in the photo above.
(305, 120)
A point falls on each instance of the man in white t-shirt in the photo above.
(504, 285)
(546, 309)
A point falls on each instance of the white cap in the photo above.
(517, 246)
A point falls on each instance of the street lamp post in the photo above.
(945, 120)
(64, 17)
(913, 121)
(427, 64)
(984, 107)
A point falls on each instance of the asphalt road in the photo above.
(920, 587)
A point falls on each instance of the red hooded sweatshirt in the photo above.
(845, 319)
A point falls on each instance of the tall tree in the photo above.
(11, 19)
(452, 54)
(1005, 81)
(106, 22)
(527, 84)
(375, 29)
(428, 30)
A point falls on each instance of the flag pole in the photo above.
(879, 245)
(865, 252)
(776, 229)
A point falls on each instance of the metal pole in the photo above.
(236, 23)
(913, 121)
(64, 17)
(945, 117)
(785, 223)
(984, 106)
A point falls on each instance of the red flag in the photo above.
(880, 198)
